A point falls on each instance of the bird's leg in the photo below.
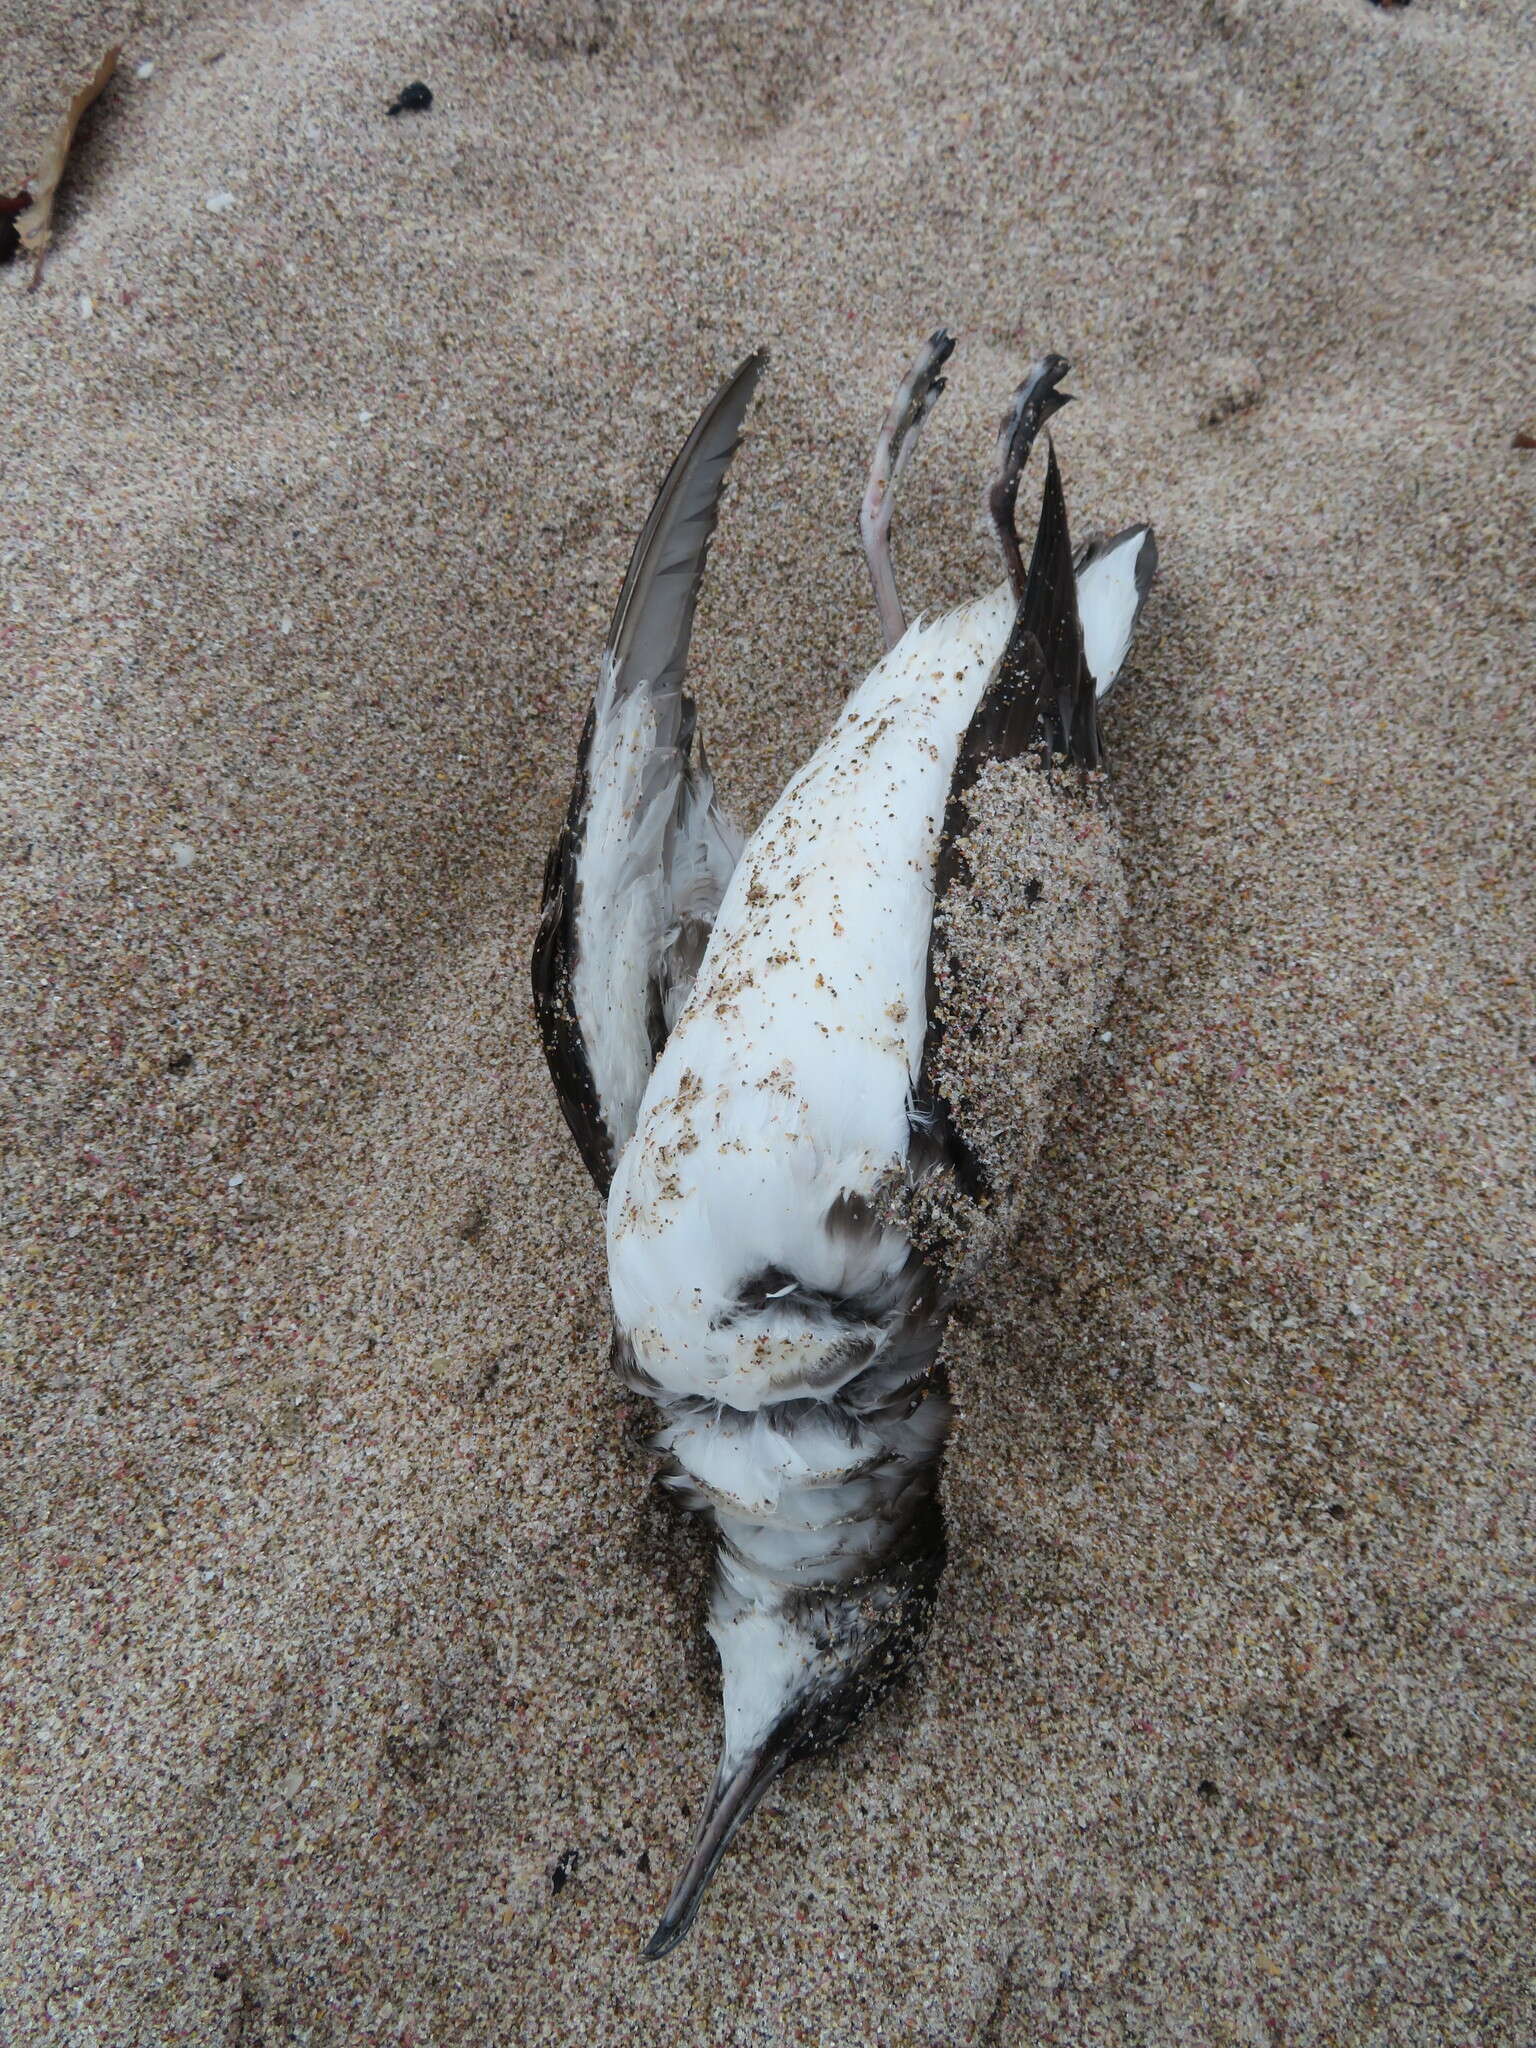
(916, 396)
(1033, 404)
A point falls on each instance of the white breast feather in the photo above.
(787, 1080)
(786, 1083)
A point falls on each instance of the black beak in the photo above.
(732, 1798)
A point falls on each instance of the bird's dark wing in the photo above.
(1041, 699)
(636, 876)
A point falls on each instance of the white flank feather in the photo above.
(1108, 599)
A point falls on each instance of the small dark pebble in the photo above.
(1337, 1509)
(222, 1972)
(643, 1863)
(179, 1063)
(1209, 1790)
(415, 99)
(564, 1870)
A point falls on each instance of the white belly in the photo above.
(786, 1082)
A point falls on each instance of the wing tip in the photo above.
(748, 371)
(703, 462)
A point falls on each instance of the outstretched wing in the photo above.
(635, 878)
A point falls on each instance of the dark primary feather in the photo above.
(554, 1003)
(680, 850)
(1048, 614)
(653, 619)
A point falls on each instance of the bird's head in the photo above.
(800, 1666)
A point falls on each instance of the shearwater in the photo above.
(780, 1060)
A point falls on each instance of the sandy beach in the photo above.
(352, 1684)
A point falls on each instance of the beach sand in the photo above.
(354, 1688)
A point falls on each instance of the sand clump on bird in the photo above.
(810, 1071)
(1030, 952)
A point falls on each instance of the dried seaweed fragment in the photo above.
(35, 225)
(415, 99)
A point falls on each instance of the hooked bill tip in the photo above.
(732, 1797)
(682, 1907)
(667, 1936)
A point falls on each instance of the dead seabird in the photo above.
(749, 1046)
